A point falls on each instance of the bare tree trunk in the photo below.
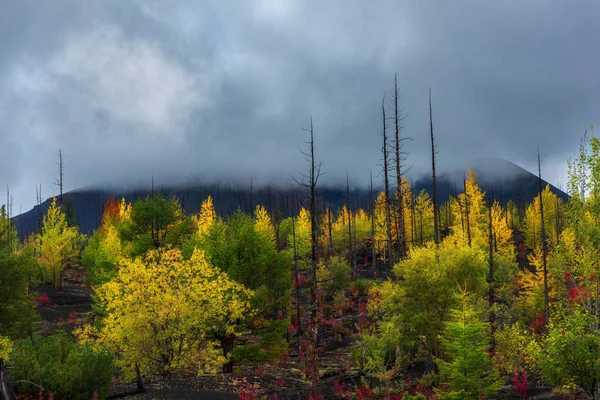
(401, 231)
(312, 367)
(297, 291)
(435, 209)
(491, 278)
(350, 243)
(59, 181)
(314, 361)
(544, 244)
(7, 391)
(372, 206)
(468, 217)
(139, 380)
(330, 229)
(388, 221)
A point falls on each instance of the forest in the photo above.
(407, 298)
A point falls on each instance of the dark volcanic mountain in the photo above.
(501, 179)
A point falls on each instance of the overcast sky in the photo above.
(221, 89)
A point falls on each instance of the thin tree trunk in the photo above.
(139, 380)
(372, 205)
(297, 290)
(401, 231)
(491, 278)
(435, 210)
(544, 244)
(387, 190)
(467, 213)
(7, 390)
(349, 213)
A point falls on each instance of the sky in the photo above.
(220, 90)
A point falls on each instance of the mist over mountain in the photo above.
(502, 180)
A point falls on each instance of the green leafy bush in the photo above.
(335, 276)
(62, 367)
(359, 287)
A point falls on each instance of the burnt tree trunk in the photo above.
(491, 278)
(386, 181)
(435, 209)
(7, 390)
(543, 238)
(401, 234)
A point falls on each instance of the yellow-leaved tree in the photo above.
(553, 215)
(302, 230)
(469, 214)
(56, 244)
(502, 234)
(206, 217)
(166, 313)
(423, 218)
(263, 224)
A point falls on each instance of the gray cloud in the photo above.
(220, 90)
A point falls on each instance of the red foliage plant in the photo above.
(342, 390)
(364, 393)
(111, 210)
(316, 395)
(520, 384)
(72, 318)
(567, 277)
(539, 324)
(577, 294)
(362, 307)
(299, 281)
(43, 300)
(293, 328)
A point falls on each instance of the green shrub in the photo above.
(62, 367)
(359, 287)
(335, 276)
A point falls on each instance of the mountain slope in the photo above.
(501, 179)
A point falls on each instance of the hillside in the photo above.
(501, 179)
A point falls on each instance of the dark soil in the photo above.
(68, 307)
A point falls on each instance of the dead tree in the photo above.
(467, 215)
(401, 229)
(388, 222)
(310, 182)
(330, 229)
(372, 211)
(38, 201)
(297, 289)
(351, 249)
(435, 209)
(59, 182)
(544, 244)
(7, 391)
(491, 278)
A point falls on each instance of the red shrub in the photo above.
(539, 324)
(316, 395)
(321, 295)
(520, 384)
(577, 294)
(43, 300)
(293, 328)
(567, 277)
(362, 307)
(342, 390)
(364, 393)
(72, 318)
(299, 281)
